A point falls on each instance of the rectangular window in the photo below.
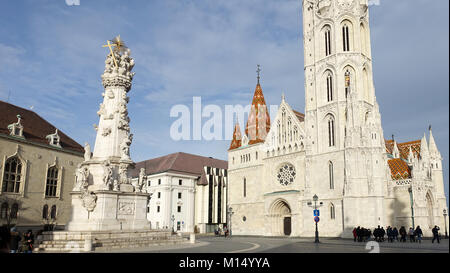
(159, 181)
(149, 183)
(158, 209)
(180, 182)
(179, 195)
(179, 209)
(159, 195)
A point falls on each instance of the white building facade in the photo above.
(336, 150)
(188, 192)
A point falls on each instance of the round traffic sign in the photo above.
(316, 219)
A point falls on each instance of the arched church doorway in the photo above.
(430, 210)
(280, 218)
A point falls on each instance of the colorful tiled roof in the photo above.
(399, 169)
(258, 123)
(35, 128)
(237, 138)
(404, 148)
(300, 116)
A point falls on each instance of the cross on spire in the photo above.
(258, 70)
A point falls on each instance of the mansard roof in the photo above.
(399, 169)
(181, 163)
(35, 128)
(404, 148)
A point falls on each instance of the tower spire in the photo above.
(258, 71)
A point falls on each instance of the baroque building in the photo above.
(37, 170)
(188, 192)
(336, 150)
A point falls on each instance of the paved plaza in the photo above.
(247, 244)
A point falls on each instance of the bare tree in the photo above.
(11, 207)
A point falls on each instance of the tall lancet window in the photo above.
(329, 87)
(331, 175)
(245, 187)
(347, 83)
(327, 42)
(331, 130)
(346, 37)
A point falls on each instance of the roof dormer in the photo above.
(16, 129)
(54, 139)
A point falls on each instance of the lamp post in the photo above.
(230, 212)
(412, 205)
(445, 222)
(316, 199)
(173, 223)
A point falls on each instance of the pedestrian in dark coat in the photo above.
(15, 240)
(419, 234)
(402, 232)
(354, 235)
(435, 231)
(28, 241)
(395, 233)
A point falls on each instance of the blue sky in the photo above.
(52, 58)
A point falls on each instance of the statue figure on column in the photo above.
(107, 175)
(125, 147)
(82, 178)
(87, 152)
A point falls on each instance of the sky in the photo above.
(51, 60)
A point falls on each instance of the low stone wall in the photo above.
(67, 241)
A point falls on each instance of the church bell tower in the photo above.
(343, 123)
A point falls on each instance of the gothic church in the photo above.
(336, 150)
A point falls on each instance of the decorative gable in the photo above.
(16, 129)
(54, 139)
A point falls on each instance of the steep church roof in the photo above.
(404, 148)
(35, 128)
(237, 138)
(399, 169)
(300, 116)
(258, 123)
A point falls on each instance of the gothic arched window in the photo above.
(332, 212)
(327, 42)
(347, 83)
(53, 212)
(346, 37)
(4, 211)
(329, 87)
(14, 210)
(331, 174)
(52, 182)
(45, 212)
(12, 175)
(331, 130)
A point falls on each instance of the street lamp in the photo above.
(230, 212)
(173, 223)
(315, 199)
(412, 205)
(445, 222)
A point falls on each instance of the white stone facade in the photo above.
(338, 151)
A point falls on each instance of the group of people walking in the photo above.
(12, 241)
(362, 234)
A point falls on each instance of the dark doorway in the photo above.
(287, 226)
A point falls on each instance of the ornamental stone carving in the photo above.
(126, 208)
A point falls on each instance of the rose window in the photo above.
(286, 174)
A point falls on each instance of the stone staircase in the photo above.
(101, 241)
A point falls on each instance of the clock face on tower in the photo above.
(286, 174)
